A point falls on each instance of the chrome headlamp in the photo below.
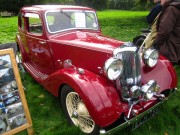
(150, 57)
(113, 68)
(149, 89)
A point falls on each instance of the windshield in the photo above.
(63, 20)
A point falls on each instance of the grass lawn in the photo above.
(46, 113)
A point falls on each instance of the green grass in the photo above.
(122, 25)
(8, 29)
(46, 113)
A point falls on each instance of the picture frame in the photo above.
(14, 112)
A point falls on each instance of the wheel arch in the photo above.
(98, 94)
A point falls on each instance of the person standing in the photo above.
(167, 40)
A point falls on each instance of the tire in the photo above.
(19, 61)
(76, 111)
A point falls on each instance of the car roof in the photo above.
(54, 7)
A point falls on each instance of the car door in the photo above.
(39, 51)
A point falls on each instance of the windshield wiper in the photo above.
(62, 12)
(89, 16)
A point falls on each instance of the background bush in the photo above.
(15, 5)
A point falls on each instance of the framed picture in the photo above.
(14, 112)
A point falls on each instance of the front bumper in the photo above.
(133, 120)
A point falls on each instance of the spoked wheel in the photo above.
(77, 112)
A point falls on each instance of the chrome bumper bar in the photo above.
(133, 120)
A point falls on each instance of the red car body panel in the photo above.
(163, 73)
(91, 49)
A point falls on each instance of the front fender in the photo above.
(163, 73)
(98, 94)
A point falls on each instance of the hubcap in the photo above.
(79, 113)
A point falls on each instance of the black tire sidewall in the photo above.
(65, 91)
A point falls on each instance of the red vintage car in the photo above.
(103, 84)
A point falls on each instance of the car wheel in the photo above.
(76, 111)
(19, 60)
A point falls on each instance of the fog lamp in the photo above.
(149, 89)
(135, 91)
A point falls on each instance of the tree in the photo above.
(11, 5)
(143, 4)
(78, 2)
(15, 5)
(97, 4)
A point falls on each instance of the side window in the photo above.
(34, 23)
(50, 20)
(21, 22)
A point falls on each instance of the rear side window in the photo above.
(34, 23)
(20, 21)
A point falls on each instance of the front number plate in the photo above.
(145, 118)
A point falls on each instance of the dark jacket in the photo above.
(168, 36)
(153, 13)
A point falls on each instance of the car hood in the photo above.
(85, 50)
(93, 41)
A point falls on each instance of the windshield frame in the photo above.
(75, 28)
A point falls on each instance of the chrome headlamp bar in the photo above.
(149, 89)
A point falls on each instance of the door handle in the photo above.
(42, 42)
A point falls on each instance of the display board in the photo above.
(14, 112)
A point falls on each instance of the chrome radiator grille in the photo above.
(131, 75)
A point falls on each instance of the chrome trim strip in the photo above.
(133, 120)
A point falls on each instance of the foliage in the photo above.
(142, 4)
(11, 5)
(48, 117)
(15, 5)
(120, 4)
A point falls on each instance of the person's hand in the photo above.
(155, 1)
(163, 2)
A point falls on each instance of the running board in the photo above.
(39, 76)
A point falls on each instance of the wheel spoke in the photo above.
(86, 120)
(79, 113)
(75, 100)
